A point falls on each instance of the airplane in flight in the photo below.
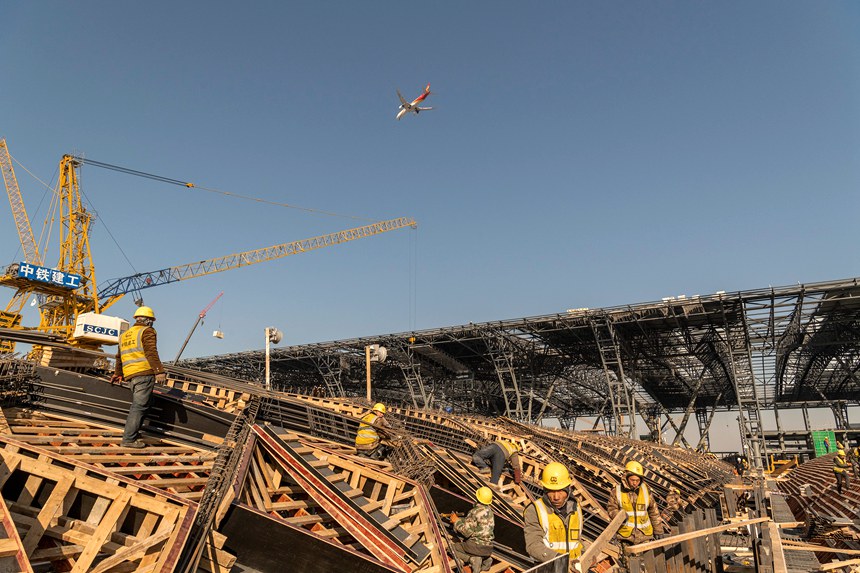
(413, 106)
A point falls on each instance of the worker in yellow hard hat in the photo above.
(372, 429)
(137, 362)
(643, 518)
(477, 527)
(840, 464)
(553, 522)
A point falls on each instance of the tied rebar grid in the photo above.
(17, 379)
(220, 479)
(409, 461)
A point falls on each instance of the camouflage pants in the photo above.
(472, 554)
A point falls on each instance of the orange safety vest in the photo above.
(131, 352)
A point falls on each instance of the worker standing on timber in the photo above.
(839, 467)
(371, 430)
(494, 456)
(553, 522)
(643, 518)
(138, 363)
(477, 527)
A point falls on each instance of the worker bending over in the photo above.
(643, 518)
(477, 527)
(553, 522)
(372, 429)
(494, 456)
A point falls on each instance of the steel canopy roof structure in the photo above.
(748, 350)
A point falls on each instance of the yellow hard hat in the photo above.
(484, 495)
(555, 477)
(635, 468)
(379, 407)
(840, 453)
(144, 311)
(675, 489)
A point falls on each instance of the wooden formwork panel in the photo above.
(225, 399)
(80, 519)
(340, 499)
(175, 468)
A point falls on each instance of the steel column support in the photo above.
(412, 374)
(704, 419)
(690, 407)
(330, 369)
(623, 405)
(739, 358)
(502, 356)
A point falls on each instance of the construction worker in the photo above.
(643, 518)
(553, 522)
(137, 362)
(854, 458)
(371, 430)
(477, 529)
(494, 456)
(673, 504)
(840, 464)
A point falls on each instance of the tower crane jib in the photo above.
(19, 213)
(114, 289)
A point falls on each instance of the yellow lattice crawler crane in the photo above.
(71, 305)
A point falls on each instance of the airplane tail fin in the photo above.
(427, 89)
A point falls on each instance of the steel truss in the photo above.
(745, 350)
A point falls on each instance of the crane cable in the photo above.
(190, 185)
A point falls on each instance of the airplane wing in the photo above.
(402, 99)
(424, 108)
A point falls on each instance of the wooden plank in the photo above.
(102, 533)
(47, 514)
(777, 554)
(131, 553)
(595, 548)
(839, 564)
(634, 549)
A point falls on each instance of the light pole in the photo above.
(373, 353)
(273, 336)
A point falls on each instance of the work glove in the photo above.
(518, 476)
(454, 518)
(161, 378)
(116, 379)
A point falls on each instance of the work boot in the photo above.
(135, 444)
(475, 563)
(487, 563)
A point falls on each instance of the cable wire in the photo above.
(190, 185)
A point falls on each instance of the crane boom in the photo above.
(113, 289)
(200, 317)
(19, 213)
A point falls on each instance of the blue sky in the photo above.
(581, 154)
